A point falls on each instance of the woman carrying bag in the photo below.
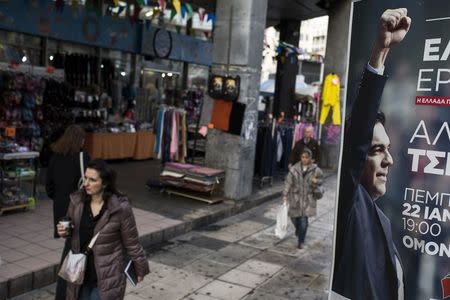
(100, 209)
(299, 192)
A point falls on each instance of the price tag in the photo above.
(10, 132)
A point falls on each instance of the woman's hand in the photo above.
(140, 278)
(313, 179)
(62, 232)
(285, 199)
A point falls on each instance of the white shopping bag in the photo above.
(281, 228)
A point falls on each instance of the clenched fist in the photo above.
(393, 27)
(394, 24)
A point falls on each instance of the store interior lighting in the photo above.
(51, 57)
(123, 73)
(163, 75)
(24, 58)
(102, 66)
(169, 74)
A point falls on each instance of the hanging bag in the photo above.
(81, 180)
(317, 189)
(281, 227)
(74, 265)
(318, 192)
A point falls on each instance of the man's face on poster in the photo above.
(379, 160)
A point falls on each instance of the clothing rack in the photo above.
(273, 147)
(170, 143)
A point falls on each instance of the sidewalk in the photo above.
(238, 258)
(30, 256)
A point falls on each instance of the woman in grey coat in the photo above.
(300, 182)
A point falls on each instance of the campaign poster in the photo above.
(392, 237)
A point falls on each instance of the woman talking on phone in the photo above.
(100, 208)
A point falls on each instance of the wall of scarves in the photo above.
(274, 144)
(171, 134)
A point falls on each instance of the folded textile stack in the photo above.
(192, 177)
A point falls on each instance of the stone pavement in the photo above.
(239, 258)
(29, 255)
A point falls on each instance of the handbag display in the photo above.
(74, 265)
(81, 180)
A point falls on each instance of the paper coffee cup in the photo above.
(66, 224)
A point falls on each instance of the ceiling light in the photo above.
(163, 75)
(123, 73)
(24, 58)
(51, 57)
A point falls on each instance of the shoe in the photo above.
(300, 246)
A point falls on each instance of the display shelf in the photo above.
(18, 155)
(18, 191)
(19, 178)
(211, 199)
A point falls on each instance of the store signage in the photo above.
(161, 43)
(70, 24)
(392, 237)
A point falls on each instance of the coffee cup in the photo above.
(67, 223)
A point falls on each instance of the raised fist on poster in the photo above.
(393, 27)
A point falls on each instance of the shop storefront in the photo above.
(109, 73)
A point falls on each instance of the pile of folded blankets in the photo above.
(192, 177)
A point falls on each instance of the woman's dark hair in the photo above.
(71, 142)
(108, 177)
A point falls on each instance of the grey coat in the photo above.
(298, 189)
(117, 240)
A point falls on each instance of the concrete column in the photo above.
(337, 40)
(287, 68)
(336, 61)
(238, 45)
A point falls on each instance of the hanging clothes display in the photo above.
(330, 99)
(171, 134)
(307, 108)
(287, 137)
(221, 114)
(273, 148)
(228, 116)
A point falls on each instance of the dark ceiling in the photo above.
(292, 10)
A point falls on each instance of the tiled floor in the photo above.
(27, 243)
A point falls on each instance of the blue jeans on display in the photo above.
(89, 292)
(301, 226)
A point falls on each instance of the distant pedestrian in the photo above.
(300, 183)
(62, 178)
(307, 141)
(100, 208)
